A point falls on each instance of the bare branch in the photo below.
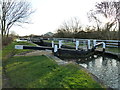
(12, 12)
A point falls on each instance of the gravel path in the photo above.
(35, 53)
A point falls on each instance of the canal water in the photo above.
(105, 68)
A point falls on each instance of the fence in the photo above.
(109, 43)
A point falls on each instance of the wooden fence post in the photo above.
(88, 44)
(94, 43)
(53, 44)
(55, 50)
(60, 43)
(103, 47)
(77, 45)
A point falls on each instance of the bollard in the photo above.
(55, 50)
(77, 45)
(88, 44)
(53, 44)
(94, 43)
(60, 43)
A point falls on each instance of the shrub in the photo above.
(6, 41)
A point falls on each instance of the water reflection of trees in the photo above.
(94, 60)
(104, 61)
(107, 69)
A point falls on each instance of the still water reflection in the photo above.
(106, 69)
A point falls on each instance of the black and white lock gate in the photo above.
(33, 47)
(58, 51)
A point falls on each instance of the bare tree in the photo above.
(93, 17)
(105, 9)
(13, 12)
(109, 10)
(71, 26)
(117, 7)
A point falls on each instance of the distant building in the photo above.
(48, 35)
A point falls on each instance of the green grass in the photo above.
(10, 49)
(0, 54)
(43, 72)
(0, 76)
(115, 50)
(50, 41)
(0, 68)
(65, 43)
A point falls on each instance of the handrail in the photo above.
(99, 44)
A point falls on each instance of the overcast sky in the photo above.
(50, 14)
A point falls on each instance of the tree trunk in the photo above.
(119, 30)
(118, 35)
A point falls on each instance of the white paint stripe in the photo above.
(18, 46)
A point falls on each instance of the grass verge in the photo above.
(6, 53)
(115, 50)
(42, 72)
(10, 50)
(0, 69)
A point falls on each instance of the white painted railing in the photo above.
(109, 43)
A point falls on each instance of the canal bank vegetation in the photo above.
(43, 72)
(87, 33)
(10, 50)
(0, 68)
(115, 50)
